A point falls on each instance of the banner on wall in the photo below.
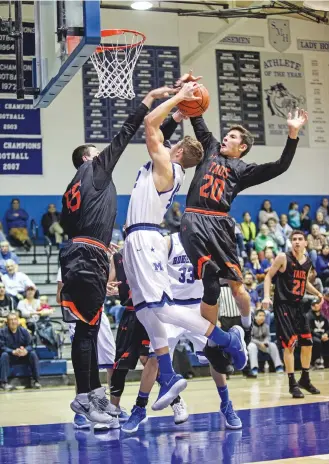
(240, 92)
(8, 75)
(313, 45)
(18, 117)
(20, 156)
(103, 118)
(279, 34)
(316, 76)
(283, 84)
(7, 43)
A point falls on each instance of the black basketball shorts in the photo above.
(85, 271)
(292, 326)
(132, 341)
(209, 240)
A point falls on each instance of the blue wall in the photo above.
(36, 205)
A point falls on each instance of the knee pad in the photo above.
(118, 381)
(211, 287)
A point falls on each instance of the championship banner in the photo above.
(283, 85)
(316, 77)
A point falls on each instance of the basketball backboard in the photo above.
(67, 32)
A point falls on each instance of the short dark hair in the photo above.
(15, 199)
(260, 311)
(297, 232)
(293, 203)
(79, 153)
(246, 138)
(263, 207)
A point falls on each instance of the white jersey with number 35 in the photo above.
(185, 288)
(146, 204)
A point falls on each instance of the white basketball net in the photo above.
(115, 67)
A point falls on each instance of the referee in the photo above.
(229, 314)
(88, 215)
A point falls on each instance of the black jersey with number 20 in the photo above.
(290, 285)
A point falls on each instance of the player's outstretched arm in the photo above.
(109, 157)
(279, 265)
(169, 126)
(163, 172)
(257, 174)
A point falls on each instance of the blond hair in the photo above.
(192, 152)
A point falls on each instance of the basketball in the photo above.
(198, 107)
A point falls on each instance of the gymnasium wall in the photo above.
(63, 126)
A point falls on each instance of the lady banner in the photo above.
(283, 84)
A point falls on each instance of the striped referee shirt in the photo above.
(227, 304)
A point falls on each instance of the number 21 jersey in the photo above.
(290, 285)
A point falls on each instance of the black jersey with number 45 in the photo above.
(89, 203)
(290, 285)
(218, 179)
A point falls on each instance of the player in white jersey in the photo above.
(105, 352)
(187, 293)
(145, 255)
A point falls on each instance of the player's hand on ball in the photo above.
(266, 303)
(187, 77)
(187, 91)
(163, 92)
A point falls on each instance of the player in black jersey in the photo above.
(88, 214)
(207, 230)
(292, 271)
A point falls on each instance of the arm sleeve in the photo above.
(257, 174)
(168, 128)
(267, 335)
(24, 311)
(203, 135)
(3, 346)
(27, 341)
(109, 157)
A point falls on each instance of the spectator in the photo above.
(45, 309)
(241, 249)
(266, 212)
(322, 265)
(275, 232)
(29, 309)
(319, 326)
(5, 254)
(16, 219)
(249, 285)
(305, 219)
(294, 215)
(6, 305)
(255, 267)
(51, 224)
(163, 229)
(114, 308)
(315, 281)
(117, 235)
(286, 231)
(325, 304)
(173, 218)
(2, 235)
(315, 242)
(248, 229)
(16, 282)
(263, 240)
(319, 220)
(267, 262)
(15, 346)
(324, 209)
(260, 340)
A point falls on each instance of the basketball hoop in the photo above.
(115, 60)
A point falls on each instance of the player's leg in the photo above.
(232, 421)
(253, 358)
(242, 299)
(306, 344)
(138, 412)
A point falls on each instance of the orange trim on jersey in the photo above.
(90, 242)
(75, 311)
(201, 262)
(130, 308)
(146, 342)
(306, 335)
(205, 211)
(124, 355)
(235, 267)
(292, 340)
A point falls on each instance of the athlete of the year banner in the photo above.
(283, 84)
